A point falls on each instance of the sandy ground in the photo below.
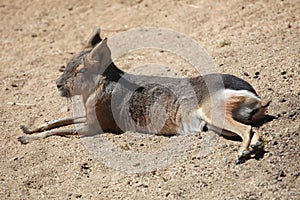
(255, 40)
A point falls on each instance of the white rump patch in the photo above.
(244, 93)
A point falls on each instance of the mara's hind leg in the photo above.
(244, 132)
(230, 125)
(256, 145)
(231, 128)
(54, 124)
(220, 131)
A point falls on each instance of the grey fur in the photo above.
(117, 101)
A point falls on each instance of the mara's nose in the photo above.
(59, 86)
(59, 83)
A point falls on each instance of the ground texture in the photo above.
(255, 40)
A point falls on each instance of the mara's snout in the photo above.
(62, 89)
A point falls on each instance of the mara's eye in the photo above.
(83, 70)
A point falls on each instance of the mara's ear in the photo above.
(95, 38)
(100, 56)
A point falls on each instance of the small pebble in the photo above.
(282, 174)
(283, 100)
(296, 174)
(85, 166)
(65, 109)
(283, 73)
(62, 68)
(292, 114)
(246, 74)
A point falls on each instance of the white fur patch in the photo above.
(197, 119)
(195, 124)
(245, 93)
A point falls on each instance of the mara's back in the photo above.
(162, 105)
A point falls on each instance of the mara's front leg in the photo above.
(83, 131)
(54, 124)
(41, 135)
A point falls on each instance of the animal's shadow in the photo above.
(266, 119)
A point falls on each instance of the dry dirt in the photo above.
(255, 40)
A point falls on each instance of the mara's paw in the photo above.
(257, 150)
(25, 129)
(245, 155)
(258, 147)
(25, 139)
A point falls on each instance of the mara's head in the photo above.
(83, 71)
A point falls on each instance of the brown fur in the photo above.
(157, 105)
(232, 103)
